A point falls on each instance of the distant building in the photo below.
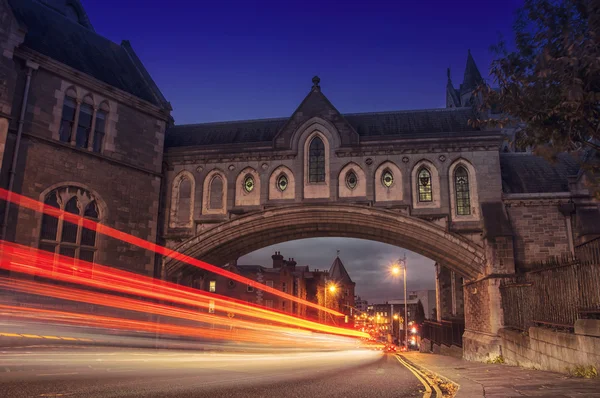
(360, 304)
(287, 276)
(427, 298)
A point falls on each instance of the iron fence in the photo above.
(446, 332)
(554, 296)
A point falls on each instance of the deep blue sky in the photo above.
(227, 60)
(231, 60)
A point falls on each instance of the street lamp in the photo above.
(332, 288)
(395, 271)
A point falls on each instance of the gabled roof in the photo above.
(338, 272)
(527, 173)
(401, 124)
(52, 34)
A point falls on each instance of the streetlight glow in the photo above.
(395, 269)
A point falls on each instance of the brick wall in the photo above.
(540, 232)
(130, 196)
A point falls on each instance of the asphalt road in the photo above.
(114, 372)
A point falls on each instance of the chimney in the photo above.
(291, 262)
(277, 260)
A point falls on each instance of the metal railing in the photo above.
(554, 296)
(446, 332)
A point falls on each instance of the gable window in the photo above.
(461, 189)
(316, 161)
(66, 238)
(67, 119)
(424, 185)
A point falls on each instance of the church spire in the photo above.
(472, 77)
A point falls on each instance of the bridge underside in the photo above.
(235, 238)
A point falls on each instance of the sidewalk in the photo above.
(502, 381)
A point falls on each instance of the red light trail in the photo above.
(25, 260)
(40, 207)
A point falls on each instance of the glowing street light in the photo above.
(396, 270)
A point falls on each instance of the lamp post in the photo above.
(396, 269)
(332, 288)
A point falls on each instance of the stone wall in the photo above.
(540, 231)
(545, 349)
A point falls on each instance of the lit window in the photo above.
(387, 178)
(211, 307)
(212, 286)
(248, 183)
(461, 188)
(316, 161)
(282, 182)
(424, 185)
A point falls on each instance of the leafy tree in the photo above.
(550, 83)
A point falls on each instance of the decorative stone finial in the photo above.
(316, 81)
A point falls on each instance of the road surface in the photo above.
(81, 371)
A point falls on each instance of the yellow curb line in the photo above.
(35, 336)
(427, 393)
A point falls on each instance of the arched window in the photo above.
(461, 189)
(66, 238)
(184, 210)
(424, 185)
(215, 199)
(316, 161)
(67, 119)
(100, 127)
(84, 123)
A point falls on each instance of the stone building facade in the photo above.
(288, 277)
(85, 133)
(83, 127)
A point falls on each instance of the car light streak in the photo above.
(40, 207)
(30, 261)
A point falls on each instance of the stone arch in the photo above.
(210, 192)
(435, 185)
(102, 208)
(318, 189)
(242, 235)
(473, 191)
(277, 194)
(243, 197)
(311, 125)
(182, 200)
(361, 185)
(393, 192)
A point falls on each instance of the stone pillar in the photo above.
(444, 292)
(438, 294)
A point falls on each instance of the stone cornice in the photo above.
(91, 83)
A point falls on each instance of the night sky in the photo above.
(231, 60)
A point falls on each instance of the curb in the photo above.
(428, 373)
